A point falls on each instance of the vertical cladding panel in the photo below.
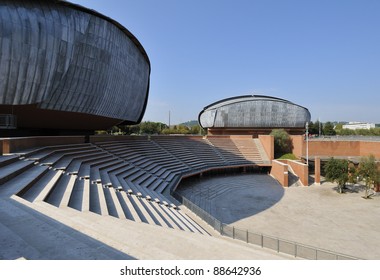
(256, 113)
(207, 118)
(69, 60)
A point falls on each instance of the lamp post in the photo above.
(307, 143)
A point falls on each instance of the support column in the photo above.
(317, 171)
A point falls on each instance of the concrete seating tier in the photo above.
(228, 150)
(13, 169)
(128, 180)
(44, 152)
(248, 149)
(199, 147)
(180, 149)
(152, 163)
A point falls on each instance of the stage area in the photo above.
(317, 215)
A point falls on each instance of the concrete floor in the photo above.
(316, 215)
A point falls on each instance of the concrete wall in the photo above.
(279, 171)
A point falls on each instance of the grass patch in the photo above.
(288, 156)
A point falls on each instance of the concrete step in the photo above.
(97, 201)
(149, 181)
(140, 210)
(176, 219)
(14, 169)
(128, 208)
(8, 159)
(28, 230)
(56, 195)
(61, 195)
(21, 184)
(193, 226)
(40, 190)
(117, 210)
(125, 201)
(41, 153)
(76, 196)
(65, 161)
(168, 219)
(154, 214)
(105, 179)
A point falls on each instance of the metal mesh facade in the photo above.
(254, 111)
(64, 57)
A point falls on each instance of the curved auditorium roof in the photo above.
(254, 111)
(61, 60)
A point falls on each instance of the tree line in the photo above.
(333, 128)
(153, 128)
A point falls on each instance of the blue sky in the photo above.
(321, 54)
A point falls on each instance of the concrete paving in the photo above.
(316, 215)
(41, 231)
(27, 233)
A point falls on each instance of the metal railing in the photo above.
(265, 241)
(346, 138)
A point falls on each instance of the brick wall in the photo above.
(335, 148)
(11, 145)
(279, 171)
(301, 170)
(268, 144)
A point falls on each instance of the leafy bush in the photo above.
(283, 144)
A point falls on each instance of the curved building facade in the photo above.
(64, 66)
(250, 114)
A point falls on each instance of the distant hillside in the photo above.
(190, 123)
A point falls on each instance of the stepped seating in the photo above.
(13, 169)
(42, 188)
(248, 149)
(203, 150)
(5, 160)
(127, 180)
(180, 149)
(263, 155)
(228, 150)
(43, 153)
(152, 163)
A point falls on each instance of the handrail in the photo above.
(265, 241)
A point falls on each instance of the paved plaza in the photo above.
(316, 215)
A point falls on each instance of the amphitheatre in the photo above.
(154, 197)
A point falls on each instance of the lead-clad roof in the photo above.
(61, 56)
(251, 111)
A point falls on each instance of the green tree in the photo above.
(328, 129)
(283, 144)
(314, 128)
(369, 172)
(338, 171)
(144, 128)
